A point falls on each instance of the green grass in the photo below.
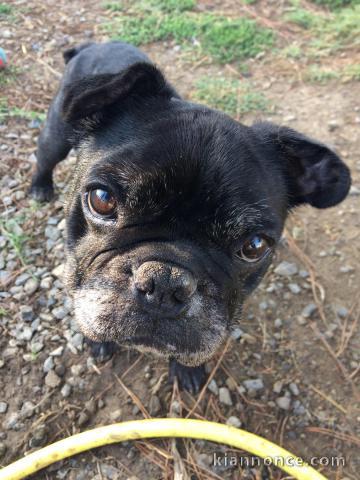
(223, 39)
(334, 4)
(12, 230)
(301, 17)
(340, 30)
(234, 97)
(318, 74)
(234, 39)
(8, 75)
(21, 113)
(5, 9)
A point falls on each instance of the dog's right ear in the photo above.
(90, 96)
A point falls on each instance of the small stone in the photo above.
(346, 269)
(77, 369)
(53, 233)
(48, 364)
(52, 380)
(213, 387)
(225, 397)
(309, 310)
(333, 125)
(90, 406)
(277, 387)
(278, 323)
(60, 312)
(77, 341)
(116, 415)
(27, 410)
(58, 271)
(342, 312)
(26, 313)
(57, 352)
(286, 269)
(36, 347)
(66, 390)
(283, 402)
(12, 422)
(253, 384)
(39, 437)
(26, 334)
(236, 333)
(46, 283)
(3, 407)
(233, 422)
(154, 405)
(31, 286)
(294, 389)
(294, 288)
(354, 191)
(83, 419)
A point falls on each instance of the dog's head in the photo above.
(175, 211)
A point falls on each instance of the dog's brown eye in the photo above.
(254, 248)
(101, 202)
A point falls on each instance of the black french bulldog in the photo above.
(174, 210)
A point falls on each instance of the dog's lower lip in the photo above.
(149, 342)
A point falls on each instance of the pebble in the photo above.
(154, 405)
(294, 389)
(283, 402)
(354, 191)
(58, 271)
(28, 409)
(342, 312)
(60, 312)
(237, 333)
(83, 419)
(294, 288)
(225, 397)
(277, 387)
(77, 369)
(31, 285)
(66, 390)
(286, 269)
(57, 352)
(39, 437)
(278, 323)
(36, 347)
(53, 233)
(3, 407)
(309, 310)
(90, 406)
(26, 313)
(116, 415)
(253, 384)
(233, 422)
(213, 387)
(21, 279)
(52, 380)
(48, 364)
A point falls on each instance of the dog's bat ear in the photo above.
(92, 95)
(314, 173)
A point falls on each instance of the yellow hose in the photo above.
(156, 428)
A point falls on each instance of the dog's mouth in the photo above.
(150, 342)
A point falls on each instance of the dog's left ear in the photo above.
(313, 173)
(94, 94)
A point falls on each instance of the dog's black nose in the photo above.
(163, 288)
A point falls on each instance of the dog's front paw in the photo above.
(41, 193)
(191, 379)
(102, 351)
